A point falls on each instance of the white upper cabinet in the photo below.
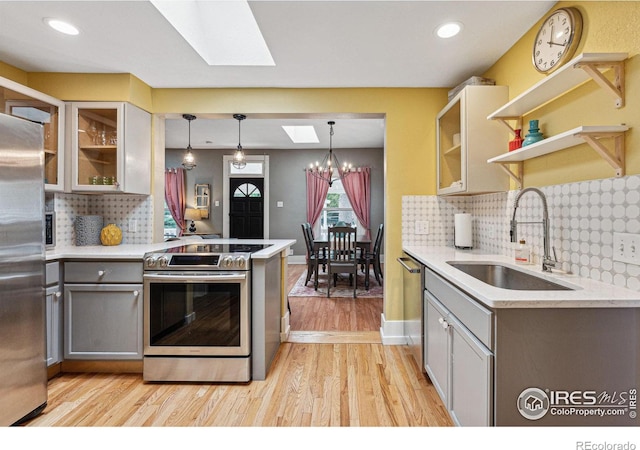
(466, 139)
(21, 101)
(110, 147)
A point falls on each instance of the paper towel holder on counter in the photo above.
(462, 231)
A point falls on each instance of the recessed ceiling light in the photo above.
(61, 26)
(304, 134)
(448, 30)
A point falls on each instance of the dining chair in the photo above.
(342, 256)
(314, 258)
(374, 255)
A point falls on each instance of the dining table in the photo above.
(321, 244)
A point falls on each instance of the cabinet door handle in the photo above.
(443, 322)
(100, 273)
(58, 294)
(136, 293)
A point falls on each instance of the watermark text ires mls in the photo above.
(534, 403)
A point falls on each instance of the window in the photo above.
(247, 190)
(170, 225)
(337, 209)
(252, 168)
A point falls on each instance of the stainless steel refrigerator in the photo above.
(23, 366)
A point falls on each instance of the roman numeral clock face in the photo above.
(557, 39)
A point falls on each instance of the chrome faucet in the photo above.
(547, 262)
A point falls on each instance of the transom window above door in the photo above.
(247, 190)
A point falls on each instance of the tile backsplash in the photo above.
(120, 209)
(583, 217)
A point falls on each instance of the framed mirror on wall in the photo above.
(203, 199)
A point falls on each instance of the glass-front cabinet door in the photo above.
(96, 147)
(21, 101)
(110, 147)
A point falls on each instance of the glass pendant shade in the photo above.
(188, 162)
(239, 159)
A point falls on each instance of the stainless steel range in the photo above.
(197, 313)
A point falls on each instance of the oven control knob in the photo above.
(150, 261)
(227, 261)
(240, 262)
(163, 261)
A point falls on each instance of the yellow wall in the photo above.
(93, 87)
(14, 74)
(608, 27)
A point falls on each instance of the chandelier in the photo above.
(188, 162)
(239, 159)
(330, 169)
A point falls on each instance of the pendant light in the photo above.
(188, 162)
(330, 165)
(239, 159)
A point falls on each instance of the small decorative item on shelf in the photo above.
(111, 235)
(534, 134)
(516, 142)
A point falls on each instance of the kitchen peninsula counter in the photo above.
(137, 251)
(267, 291)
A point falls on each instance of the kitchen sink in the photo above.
(505, 277)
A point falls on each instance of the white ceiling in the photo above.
(313, 43)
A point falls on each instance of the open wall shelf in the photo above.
(583, 68)
(580, 135)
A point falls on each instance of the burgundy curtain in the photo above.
(316, 195)
(357, 186)
(174, 195)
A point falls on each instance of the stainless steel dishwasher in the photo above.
(412, 289)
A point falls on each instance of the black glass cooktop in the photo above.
(218, 248)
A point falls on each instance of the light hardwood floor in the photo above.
(335, 319)
(332, 383)
(308, 385)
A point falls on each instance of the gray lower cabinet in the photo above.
(554, 366)
(54, 313)
(458, 363)
(103, 314)
(471, 378)
(437, 339)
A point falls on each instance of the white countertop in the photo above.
(129, 251)
(587, 294)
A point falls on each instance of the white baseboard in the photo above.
(285, 327)
(392, 332)
(296, 259)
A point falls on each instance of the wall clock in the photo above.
(557, 39)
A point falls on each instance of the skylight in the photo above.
(224, 33)
(303, 134)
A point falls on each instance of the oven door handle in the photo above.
(197, 278)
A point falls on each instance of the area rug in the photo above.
(342, 289)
